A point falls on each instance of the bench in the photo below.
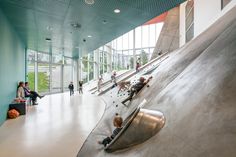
(19, 106)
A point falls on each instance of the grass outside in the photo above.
(43, 81)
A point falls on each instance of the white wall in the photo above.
(206, 12)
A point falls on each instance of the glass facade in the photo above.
(118, 54)
(140, 41)
(31, 69)
(48, 73)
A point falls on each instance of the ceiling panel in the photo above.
(35, 20)
(51, 7)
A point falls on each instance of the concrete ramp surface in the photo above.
(195, 89)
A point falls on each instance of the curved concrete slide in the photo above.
(195, 88)
(141, 122)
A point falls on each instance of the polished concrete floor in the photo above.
(58, 126)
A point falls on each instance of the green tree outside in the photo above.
(43, 81)
(144, 57)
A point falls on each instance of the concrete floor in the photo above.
(58, 126)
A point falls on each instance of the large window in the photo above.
(56, 73)
(145, 36)
(67, 73)
(43, 77)
(56, 77)
(119, 53)
(91, 66)
(138, 37)
(45, 72)
(31, 69)
(84, 69)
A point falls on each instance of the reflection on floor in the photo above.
(58, 126)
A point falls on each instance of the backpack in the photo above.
(13, 114)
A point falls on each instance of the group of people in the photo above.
(71, 87)
(23, 91)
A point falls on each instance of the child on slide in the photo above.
(117, 122)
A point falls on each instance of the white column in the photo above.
(62, 73)
(36, 71)
(109, 59)
(75, 73)
(88, 67)
(96, 64)
(134, 52)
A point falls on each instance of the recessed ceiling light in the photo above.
(104, 21)
(117, 11)
(89, 36)
(48, 39)
(90, 2)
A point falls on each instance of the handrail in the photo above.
(133, 73)
(108, 81)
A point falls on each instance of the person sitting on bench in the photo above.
(32, 94)
(117, 122)
(136, 88)
(20, 91)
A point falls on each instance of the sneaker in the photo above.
(41, 96)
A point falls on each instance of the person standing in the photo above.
(113, 77)
(71, 88)
(81, 87)
(137, 66)
(99, 84)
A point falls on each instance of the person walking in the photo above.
(81, 87)
(71, 88)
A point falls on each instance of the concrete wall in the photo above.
(12, 64)
(169, 36)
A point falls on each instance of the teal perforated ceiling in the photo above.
(36, 20)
